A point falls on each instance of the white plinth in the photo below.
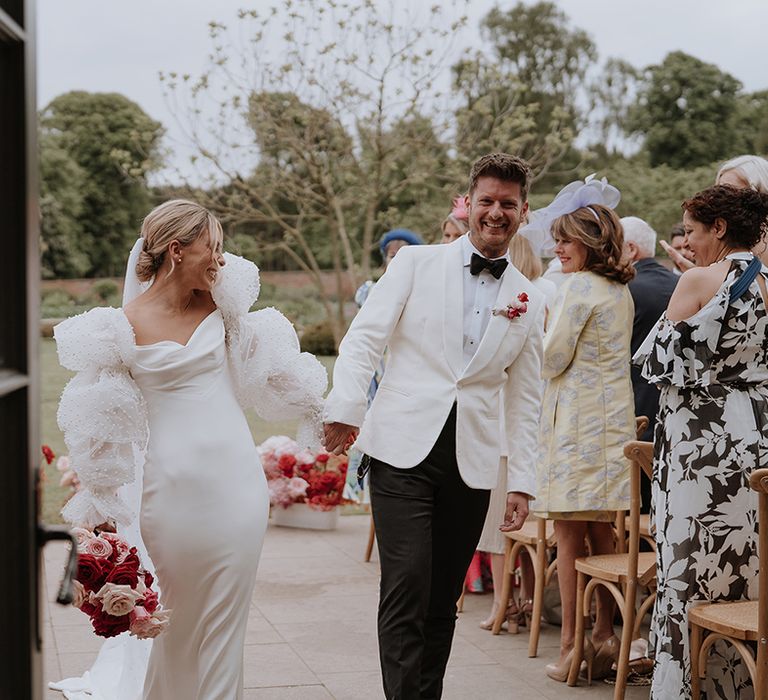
(302, 516)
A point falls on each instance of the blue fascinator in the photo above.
(399, 234)
(572, 197)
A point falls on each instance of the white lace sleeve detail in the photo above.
(237, 288)
(274, 377)
(102, 414)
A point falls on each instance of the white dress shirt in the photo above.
(480, 292)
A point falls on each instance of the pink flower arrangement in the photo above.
(296, 475)
(113, 589)
(514, 310)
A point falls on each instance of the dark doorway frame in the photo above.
(20, 643)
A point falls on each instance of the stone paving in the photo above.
(312, 630)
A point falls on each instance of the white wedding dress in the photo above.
(175, 412)
(203, 514)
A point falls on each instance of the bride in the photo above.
(155, 428)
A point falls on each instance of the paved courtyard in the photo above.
(312, 630)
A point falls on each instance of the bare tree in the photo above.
(328, 117)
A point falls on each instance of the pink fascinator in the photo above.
(459, 210)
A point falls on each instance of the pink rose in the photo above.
(149, 601)
(148, 626)
(62, 463)
(97, 547)
(120, 546)
(80, 595)
(81, 535)
(117, 599)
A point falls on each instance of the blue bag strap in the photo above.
(742, 284)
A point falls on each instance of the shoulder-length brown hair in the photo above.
(600, 231)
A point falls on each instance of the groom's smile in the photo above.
(496, 208)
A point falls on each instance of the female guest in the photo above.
(491, 540)
(709, 356)
(455, 225)
(587, 414)
(158, 403)
(741, 172)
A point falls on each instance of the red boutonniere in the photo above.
(514, 310)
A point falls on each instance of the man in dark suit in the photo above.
(651, 289)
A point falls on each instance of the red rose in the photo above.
(105, 625)
(89, 608)
(149, 601)
(126, 573)
(149, 579)
(322, 458)
(286, 464)
(522, 297)
(48, 454)
(92, 572)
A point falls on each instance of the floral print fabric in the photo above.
(712, 370)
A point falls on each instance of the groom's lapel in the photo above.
(497, 325)
(453, 307)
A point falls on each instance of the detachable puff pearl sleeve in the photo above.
(102, 414)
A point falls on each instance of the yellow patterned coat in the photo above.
(587, 413)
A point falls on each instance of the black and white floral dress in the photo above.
(712, 370)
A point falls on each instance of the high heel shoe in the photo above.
(559, 671)
(487, 624)
(606, 653)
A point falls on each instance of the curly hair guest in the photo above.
(709, 358)
(587, 414)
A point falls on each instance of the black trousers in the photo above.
(428, 523)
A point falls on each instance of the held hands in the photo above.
(517, 511)
(338, 437)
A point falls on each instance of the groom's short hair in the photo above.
(502, 166)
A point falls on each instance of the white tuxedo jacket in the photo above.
(416, 309)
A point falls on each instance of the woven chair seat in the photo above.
(737, 619)
(528, 533)
(614, 567)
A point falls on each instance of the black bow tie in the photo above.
(496, 267)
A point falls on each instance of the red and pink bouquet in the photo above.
(296, 475)
(113, 589)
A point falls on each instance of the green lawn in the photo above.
(53, 379)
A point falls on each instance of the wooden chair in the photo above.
(616, 571)
(535, 537)
(738, 622)
(622, 524)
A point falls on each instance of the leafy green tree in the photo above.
(751, 130)
(656, 193)
(62, 185)
(523, 95)
(687, 112)
(114, 144)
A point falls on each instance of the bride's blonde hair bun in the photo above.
(175, 220)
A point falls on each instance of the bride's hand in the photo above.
(108, 526)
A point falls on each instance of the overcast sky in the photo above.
(112, 46)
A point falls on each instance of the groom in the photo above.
(433, 432)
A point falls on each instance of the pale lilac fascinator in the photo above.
(573, 196)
